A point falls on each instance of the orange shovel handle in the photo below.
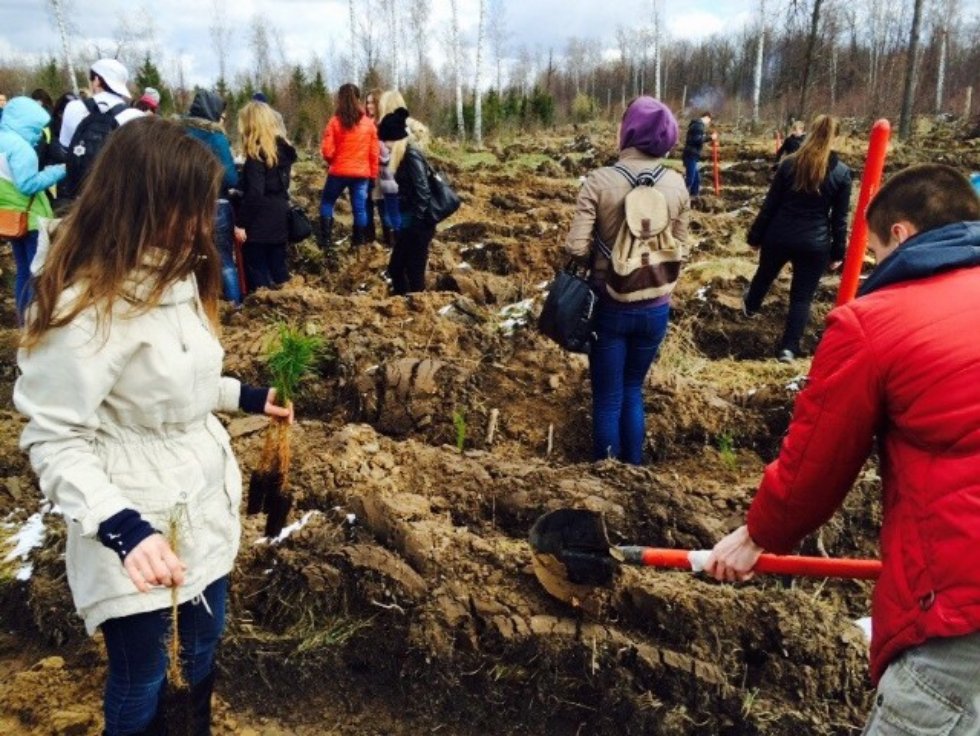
(822, 567)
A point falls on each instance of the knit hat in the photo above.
(260, 97)
(114, 74)
(648, 125)
(151, 97)
(394, 125)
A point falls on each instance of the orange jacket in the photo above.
(352, 152)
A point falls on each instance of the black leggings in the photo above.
(409, 258)
(808, 266)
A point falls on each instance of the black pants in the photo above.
(808, 266)
(409, 258)
(265, 264)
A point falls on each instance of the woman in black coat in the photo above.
(803, 221)
(410, 254)
(264, 211)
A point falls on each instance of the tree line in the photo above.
(855, 58)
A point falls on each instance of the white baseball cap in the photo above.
(114, 74)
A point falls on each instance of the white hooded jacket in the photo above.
(122, 418)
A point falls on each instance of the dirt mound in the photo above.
(433, 433)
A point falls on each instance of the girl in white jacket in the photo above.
(120, 376)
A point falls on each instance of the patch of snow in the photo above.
(448, 309)
(543, 286)
(28, 537)
(865, 625)
(702, 293)
(288, 531)
(752, 392)
(796, 384)
(464, 266)
(515, 315)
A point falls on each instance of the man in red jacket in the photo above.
(900, 364)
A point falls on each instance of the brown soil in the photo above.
(406, 603)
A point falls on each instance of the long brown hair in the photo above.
(349, 107)
(145, 212)
(811, 161)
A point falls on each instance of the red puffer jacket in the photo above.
(902, 363)
(352, 152)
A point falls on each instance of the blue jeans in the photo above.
(627, 342)
(391, 215)
(692, 177)
(358, 189)
(138, 659)
(24, 250)
(224, 239)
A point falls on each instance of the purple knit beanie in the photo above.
(648, 125)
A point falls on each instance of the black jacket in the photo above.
(265, 202)
(802, 221)
(791, 144)
(412, 178)
(696, 136)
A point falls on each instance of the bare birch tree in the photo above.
(258, 40)
(353, 40)
(220, 36)
(946, 12)
(477, 94)
(908, 93)
(456, 66)
(497, 35)
(808, 62)
(418, 22)
(59, 10)
(759, 57)
(656, 39)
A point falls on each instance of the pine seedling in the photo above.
(291, 357)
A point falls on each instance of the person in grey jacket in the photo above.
(803, 221)
(120, 378)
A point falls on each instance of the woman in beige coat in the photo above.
(120, 376)
(628, 331)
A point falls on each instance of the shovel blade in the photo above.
(576, 542)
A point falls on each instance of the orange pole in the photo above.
(874, 166)
(714, 160)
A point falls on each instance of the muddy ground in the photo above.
(405, 603)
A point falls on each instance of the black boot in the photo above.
(324, 237)
(201, 706)
(370, 233)
(358, 237)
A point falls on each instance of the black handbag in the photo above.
(443, 201)
(298, 224)
(569, 311)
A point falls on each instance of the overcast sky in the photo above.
(319, 28)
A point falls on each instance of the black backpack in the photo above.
(88, 140)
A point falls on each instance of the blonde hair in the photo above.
(811, 161)
(259, 127)
(418, 133)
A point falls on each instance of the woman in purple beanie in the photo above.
(628, 331)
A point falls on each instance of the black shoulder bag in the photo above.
(569, 311)
(298, 225)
